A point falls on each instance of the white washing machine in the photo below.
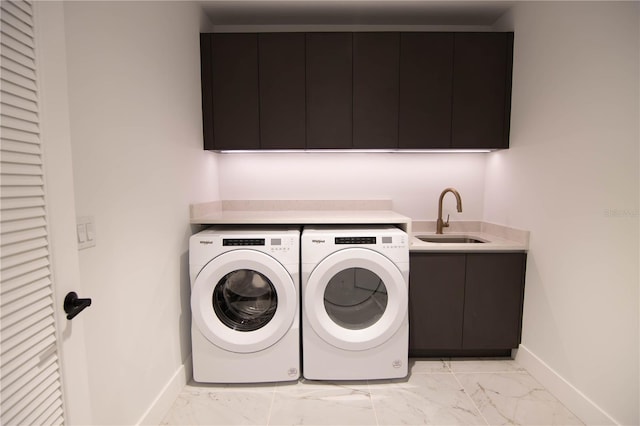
(245, 305)
(354, 283)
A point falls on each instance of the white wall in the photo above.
(412, 181)
(136, 136)
(571, 178)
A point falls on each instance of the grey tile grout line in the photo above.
(273, 397)
(373, 405)
(469, 396)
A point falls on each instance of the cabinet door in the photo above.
(426, 67)
(206, 79)
(482, 90)
(282, 90)
(493, 300)
(329, 90)
(436, 296)
(375, 90)
(234, 92)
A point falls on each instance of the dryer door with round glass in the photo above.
(355, 299)
(243, 301)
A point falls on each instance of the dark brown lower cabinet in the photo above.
(436, 287)
(494, 291)
(465, 303)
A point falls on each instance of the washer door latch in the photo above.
(73, 305)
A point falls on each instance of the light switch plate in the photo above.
(86, 232)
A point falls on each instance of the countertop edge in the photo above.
(303, 217)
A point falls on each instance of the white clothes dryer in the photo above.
(245, 305)
(354, 283)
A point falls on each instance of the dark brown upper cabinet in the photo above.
(380, 90)
(481, 90)
(206, 81)
(231, 75)
(329, 90)
(282, 90)
(426, 75)
(375, 90)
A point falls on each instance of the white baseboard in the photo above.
(569, 395)
(162, 403)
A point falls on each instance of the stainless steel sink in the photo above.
(455, 239)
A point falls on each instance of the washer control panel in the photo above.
(281, 243)
(271, 244)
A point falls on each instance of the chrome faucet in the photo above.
(440, 224)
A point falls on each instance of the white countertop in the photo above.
(321, 212)
(298, 213)
(496, 238)
(302, 217)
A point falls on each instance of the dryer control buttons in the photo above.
(279, 249)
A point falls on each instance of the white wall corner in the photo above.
(576, 401)
(163, 402)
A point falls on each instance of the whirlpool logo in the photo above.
(318, 241)
(206, 242)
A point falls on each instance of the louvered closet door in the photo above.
(31, 389)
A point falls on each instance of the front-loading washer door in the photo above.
(355, 299)
(243, 301)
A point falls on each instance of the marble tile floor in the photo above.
(437, 392)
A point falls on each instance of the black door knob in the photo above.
(73, 305)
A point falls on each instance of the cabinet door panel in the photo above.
(436, 296)
(206, 78)
(329, 90)
(282, 90)
(481, 90)
(493, 300)
(426, 71)
(235, 91)
(375, 90)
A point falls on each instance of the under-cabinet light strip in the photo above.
(394, 151)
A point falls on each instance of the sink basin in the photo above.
(455, 239)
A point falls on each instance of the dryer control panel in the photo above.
(320, 241)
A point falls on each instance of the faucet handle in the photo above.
(446, 224)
